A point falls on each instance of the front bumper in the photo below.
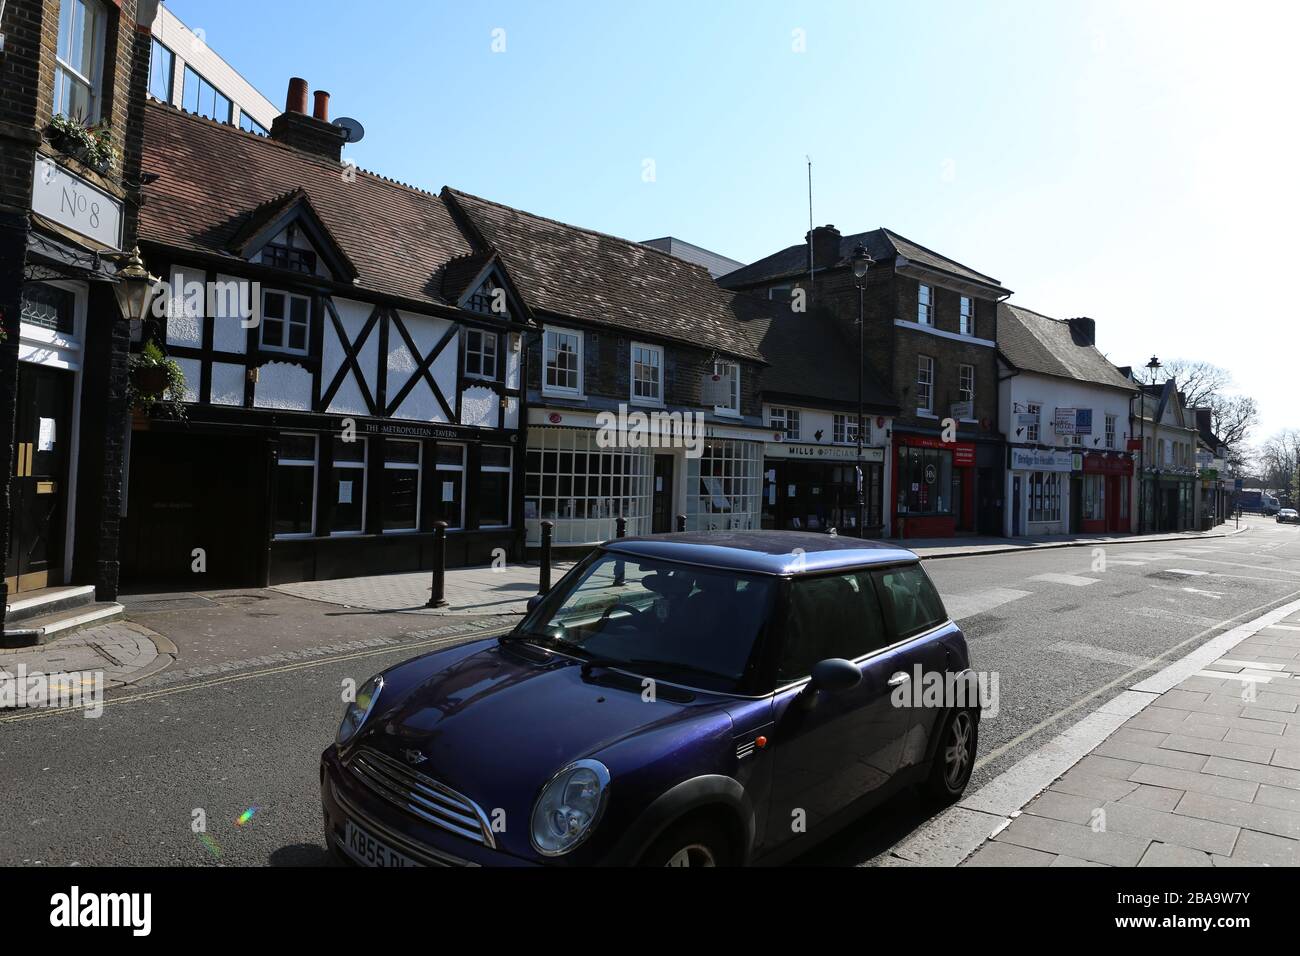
(343, 797)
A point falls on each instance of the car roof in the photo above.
(764, 552)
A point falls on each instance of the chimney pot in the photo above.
(321, 109)
(296, 101)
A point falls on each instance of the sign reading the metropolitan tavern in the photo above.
(75, 204)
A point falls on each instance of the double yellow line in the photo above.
(144, 696)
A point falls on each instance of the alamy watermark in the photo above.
(968, 690)
(84, 689)
(637, 429)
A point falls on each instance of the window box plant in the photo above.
(91, 146)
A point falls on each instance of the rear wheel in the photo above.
(954, 758)
(693, 843)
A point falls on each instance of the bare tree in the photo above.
(1279, 462)
(1198, 381)
(1232, 417)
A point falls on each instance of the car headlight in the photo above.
(360, 708)
(569, 807)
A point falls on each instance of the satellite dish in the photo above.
(354, 130)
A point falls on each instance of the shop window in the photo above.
(480, 354)
(562, 362)
(830, 616)
(1094, 498)
(584, 488)
(450, 481)
(730, 374)
(925, 305)
(845, 430)
(162, 65)
(295, 487)
(785, 421)
(924, 383)
(925, 481)
(647, 373)
(494, 487)
(1044, 496)
(402, 461)
(724, 486)
(79, 60)
(285, 322)
(348, 487)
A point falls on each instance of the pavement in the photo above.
(1206, 773)
(121, 653)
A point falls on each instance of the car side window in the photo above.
(911, 603)
(836, 615)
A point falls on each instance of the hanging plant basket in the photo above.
(149, 380)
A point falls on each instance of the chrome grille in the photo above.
(419, 795)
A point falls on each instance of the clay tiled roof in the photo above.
(217, 180)
(568, 271)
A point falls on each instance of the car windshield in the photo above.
(675, 622)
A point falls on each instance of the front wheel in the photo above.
(689, 844)
(954, 758)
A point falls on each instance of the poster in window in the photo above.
(345, 492)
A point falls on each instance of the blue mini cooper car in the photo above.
(683, 700)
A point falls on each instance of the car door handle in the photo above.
(899, 678)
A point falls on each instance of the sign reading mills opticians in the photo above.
(75, 204)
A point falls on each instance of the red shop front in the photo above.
(1107, 478)
(934, 487)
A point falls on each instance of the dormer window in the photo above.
(291, 251)
(488, 299)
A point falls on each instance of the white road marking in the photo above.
(1285, 627)
(1185, 571)
(1212, 594)
(1074, 580)
(1126, 564)
(1095, 653)
(966, 605)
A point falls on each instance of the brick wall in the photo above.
(607, 370)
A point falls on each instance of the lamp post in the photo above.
(1153, 366)
(861, 263)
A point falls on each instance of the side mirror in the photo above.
(533, 601)
(833, 676)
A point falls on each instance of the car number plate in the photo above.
(368, 851)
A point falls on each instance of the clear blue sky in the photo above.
(1132, 161)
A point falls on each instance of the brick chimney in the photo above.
(825, 245)
(312, 134)
(1085, 330)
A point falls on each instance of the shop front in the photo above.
(810, 487)
(934, 487)
(1104, 485)
(1038, 489)
(583, 476)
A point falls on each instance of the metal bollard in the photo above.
(544, 580)
(438, 586)
(681, 522)
(621, 527)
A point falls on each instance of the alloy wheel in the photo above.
(957, 752)
(695, 854)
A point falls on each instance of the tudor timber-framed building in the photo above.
(376, 389)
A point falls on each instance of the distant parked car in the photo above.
(695, 699)
(1288, 514)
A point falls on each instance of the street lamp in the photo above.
(135, 287)
(861, 263)
(1153, 366)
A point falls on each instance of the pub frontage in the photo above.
(352, 361)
